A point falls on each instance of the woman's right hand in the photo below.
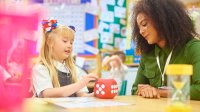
(148, 91)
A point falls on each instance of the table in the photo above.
(140, 104)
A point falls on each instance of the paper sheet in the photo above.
(106, 37)
(92, 9)
(110, 2)
(90, 35)
(106, 46)
(103, 6)
(115, 28)
(120, 12)
(91, 49)
(107, 16)
(120, 43)
(102, 26)
(70, 99)
(120, 2)
(84, 102)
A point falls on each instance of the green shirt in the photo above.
(149, 73)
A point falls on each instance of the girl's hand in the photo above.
(89, 77)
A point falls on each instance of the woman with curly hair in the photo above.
(164, 34)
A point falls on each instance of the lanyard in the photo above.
(167, 62)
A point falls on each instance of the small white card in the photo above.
(120, 2)
(102, 26)
(91, 49)
(115, 28)
(106, 37)
(90, 35)
(108, 47)
(120, 12)
(107, 16)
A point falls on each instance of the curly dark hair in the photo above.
(170, 19)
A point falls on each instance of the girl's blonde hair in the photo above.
(46, 56)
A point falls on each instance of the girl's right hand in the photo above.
(89, 77)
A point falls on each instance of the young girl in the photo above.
(54, 74)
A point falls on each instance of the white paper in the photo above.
(120, 12)
(120, 43)
(103, 6)
(102, 26)
(80, 61)
(120, 2)
(89, 8)
(91, 104)
(115, 28)
(107, 2)
(79, 102)
(107, 16)
(91, 49)
(108, 47)
(110, 2)
(70, 99)
(90, 35)
(94, 2)
(106, 37)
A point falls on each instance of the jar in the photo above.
(178, 77)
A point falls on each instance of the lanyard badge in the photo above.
(167, 62)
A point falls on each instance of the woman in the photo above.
(165, 34)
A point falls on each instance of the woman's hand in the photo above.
(148, 91)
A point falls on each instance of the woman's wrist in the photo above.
(163, 92)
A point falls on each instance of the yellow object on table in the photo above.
(179, 107)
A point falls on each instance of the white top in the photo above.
(42, 80)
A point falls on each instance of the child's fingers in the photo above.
(90, 79)
(92, 75)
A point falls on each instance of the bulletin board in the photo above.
(112, 25)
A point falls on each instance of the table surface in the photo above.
(138, 104)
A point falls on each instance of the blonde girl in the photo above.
(54, 74)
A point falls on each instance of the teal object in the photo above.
(123, 88)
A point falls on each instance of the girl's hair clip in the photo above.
(49, 25)
(72, 27)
